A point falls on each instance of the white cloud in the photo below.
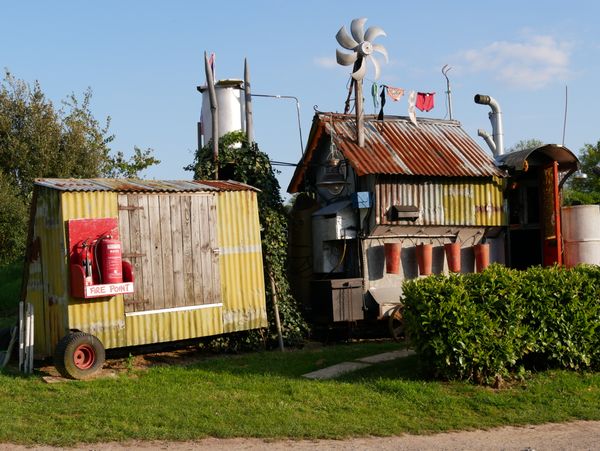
(533, 63)
(326, 62)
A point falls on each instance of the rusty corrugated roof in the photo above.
(135, 185)
(396, 146)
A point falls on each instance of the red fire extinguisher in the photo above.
(110, 265)
(85, 260)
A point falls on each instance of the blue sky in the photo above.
(143, 61)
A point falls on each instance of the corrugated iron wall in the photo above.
(105, 317)
(242, 277)
(442, 201)
(240, 305)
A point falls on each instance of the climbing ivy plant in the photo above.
(242, 161)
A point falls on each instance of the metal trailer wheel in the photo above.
(79, 355)
(396, 323)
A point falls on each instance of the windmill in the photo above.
(361, 44)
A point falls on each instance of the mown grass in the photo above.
(263, 395)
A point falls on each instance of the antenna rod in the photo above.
(445, 71)
(565, 120)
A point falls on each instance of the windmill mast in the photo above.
(360, 42)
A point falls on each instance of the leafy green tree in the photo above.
(13, 221)
(37, 139)
(524, 144)
(585, 190)
(242, 161)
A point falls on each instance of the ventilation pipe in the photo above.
(496, 120)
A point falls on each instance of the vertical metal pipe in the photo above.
(557, 223)
(214, 112)
(248, 101)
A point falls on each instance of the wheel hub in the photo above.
(84, 357)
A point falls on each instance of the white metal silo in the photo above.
(231, 108)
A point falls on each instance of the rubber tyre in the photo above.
(396, 324)
(79, 355)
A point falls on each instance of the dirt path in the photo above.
(578, 435)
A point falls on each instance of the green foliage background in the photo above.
(37, 139)
(585, 191)
(486, 326)
(242, 161)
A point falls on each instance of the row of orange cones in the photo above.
(424, 257)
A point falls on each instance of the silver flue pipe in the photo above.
(496, 120)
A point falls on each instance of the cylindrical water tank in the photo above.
(581, 234)
(232, 109)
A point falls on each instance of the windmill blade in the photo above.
(359, 74)
(357, 28)
(345, 59)
(375, 66)
(372, 33)
(345, 40)
(381, 49)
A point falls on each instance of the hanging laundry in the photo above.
(374, 89)
(395, 93)
(425, 100)
(382, 95)
(412, 96)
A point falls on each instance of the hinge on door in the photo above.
(132, 255)
(137, 302)
(130, 207)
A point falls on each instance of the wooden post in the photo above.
(214, 112)
(276, 310)
(360, 120)
(248, 101)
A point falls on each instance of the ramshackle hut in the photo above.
(416, 199)
(114, 263)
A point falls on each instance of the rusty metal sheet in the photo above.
(396, 146)
(442, 201)
(134, 185)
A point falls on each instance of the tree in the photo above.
(242, 161)
(585, 190)
(524, 144)
(39, 140)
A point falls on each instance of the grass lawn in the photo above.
(263, 395)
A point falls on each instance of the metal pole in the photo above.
(214, 112)
(248, 100)
(275, 96)
(445, 71)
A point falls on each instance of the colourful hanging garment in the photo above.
(395, 93)
(382, 95)
(425, 100)
(374, 89)
(412, 96)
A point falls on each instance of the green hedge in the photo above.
(485, 326)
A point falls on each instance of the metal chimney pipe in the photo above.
(488, 139)
(496, 120)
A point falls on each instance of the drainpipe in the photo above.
(496, 120)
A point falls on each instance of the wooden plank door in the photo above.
(171, 240)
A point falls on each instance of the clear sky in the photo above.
(144, 59)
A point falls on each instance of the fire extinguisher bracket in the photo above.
(96, 264)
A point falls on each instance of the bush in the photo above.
(483, 326)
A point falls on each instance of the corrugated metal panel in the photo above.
(396, 146)
(242, 277)
(459, 202)
(135, 185)
(104, 318)
(159, 327)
